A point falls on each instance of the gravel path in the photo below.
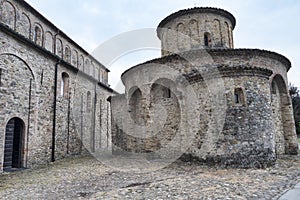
(86, 178)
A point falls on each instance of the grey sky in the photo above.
(264, 24)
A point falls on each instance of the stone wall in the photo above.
(246, 136)
(196, 28)
(162, 103)
(27, 89)
(25, 20)
(229, 92)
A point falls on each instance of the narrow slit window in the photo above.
(0, 77)
(88, 102)
(64, 90)
(239, 97)
(37, 35)
(207, 40)
(42, 77)
(68, 54)
(168, 93)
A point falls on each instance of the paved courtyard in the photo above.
(87, 178)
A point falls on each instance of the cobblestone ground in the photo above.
(86, 178)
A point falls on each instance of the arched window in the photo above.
(64, 90)
(8, 14)
(81, 63)
(87, 67)
(88, 102)
(75, 58)
(37, 37)
(102, 76)
(68, 54)
(239, 97)
(92, 70)
(59, 48)
(48, 43)
(96, 74)
(207, 39)
(181, 36)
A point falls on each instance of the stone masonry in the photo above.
(204, 100)
(52, 87)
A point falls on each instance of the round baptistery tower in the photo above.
(204, 100)
(196, 28)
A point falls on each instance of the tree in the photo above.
(295, 95)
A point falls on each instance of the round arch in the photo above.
(285, 134)
(163, 88)
(29, 68)
(135, 105)
(14, 144)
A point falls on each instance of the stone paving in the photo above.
(292, 194)
(87, 178)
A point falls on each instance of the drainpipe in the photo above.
(94, 118)
(28, 122)
(68, 122)
(54, 111)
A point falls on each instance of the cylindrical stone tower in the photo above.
(233, 104)
(196, 28)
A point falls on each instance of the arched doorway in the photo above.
(285, 135)
(14, 137)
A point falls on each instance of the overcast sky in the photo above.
(265, 24)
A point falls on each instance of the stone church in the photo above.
(201, 100)
(53, 94)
